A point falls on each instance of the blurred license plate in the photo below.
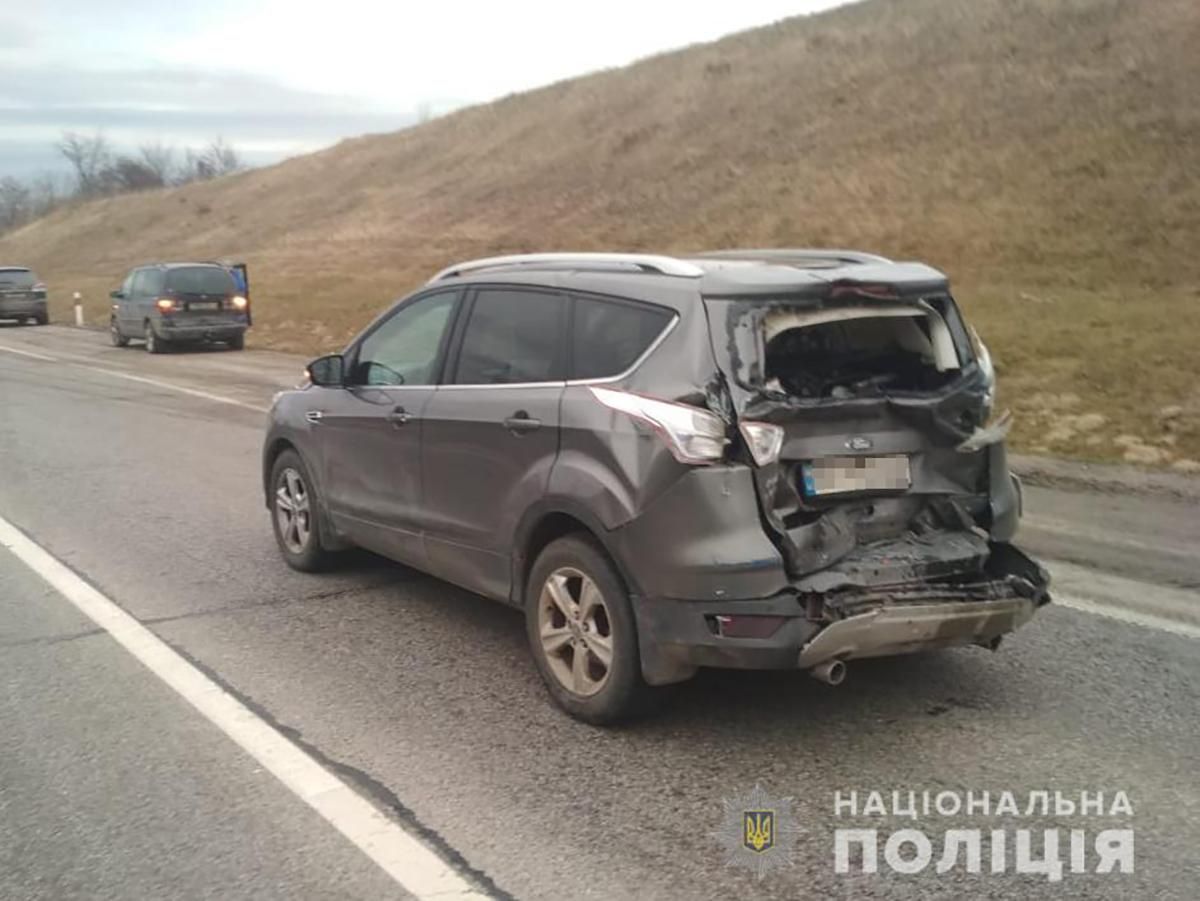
(204, 305)
(833, 475)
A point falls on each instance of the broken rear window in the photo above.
(853, 349)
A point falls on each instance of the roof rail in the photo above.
(646, 262)
(785, 256)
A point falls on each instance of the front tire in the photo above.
(582, 632)
(237, 343)
(295, 516)
(114, 334)
(41, 319)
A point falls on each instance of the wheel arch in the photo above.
(547, 521)
(275, 446)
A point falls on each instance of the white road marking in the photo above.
(89, 364)
(1163, 607)
(410, 862)
(172, 386)
(1098, 536)
(28, 353)
(1126, 615)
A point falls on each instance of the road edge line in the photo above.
(414, 866)
(1126, 615)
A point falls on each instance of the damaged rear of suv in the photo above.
(779, 459)
(862, 401)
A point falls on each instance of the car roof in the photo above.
(736, 273)
(207, 263)
(15, 269)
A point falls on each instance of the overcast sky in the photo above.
(280, 77)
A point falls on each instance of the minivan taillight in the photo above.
(692, 435)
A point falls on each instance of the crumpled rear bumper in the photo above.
(868, 619)
(907, 628)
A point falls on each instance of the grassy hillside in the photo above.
(1046, 153)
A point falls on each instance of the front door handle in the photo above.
(521, 422)
(314, 416)
(399, 416)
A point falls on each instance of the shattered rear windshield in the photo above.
(858, 348)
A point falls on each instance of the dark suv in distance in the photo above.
(167, 304)
(22, 296)
(755, 459)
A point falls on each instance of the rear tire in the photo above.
(41, 319)
(154, 344)
(577, 613)
(114, 334)
(295, 515)
(238, 343)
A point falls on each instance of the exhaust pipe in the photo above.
(832, 672)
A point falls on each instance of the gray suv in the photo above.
(756, 459)
(22, 296)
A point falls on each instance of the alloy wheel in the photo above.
(575, 630)
(293, 511)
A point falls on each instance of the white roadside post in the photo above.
(78, 310)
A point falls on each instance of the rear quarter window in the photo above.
(608, 336)
(200, 280)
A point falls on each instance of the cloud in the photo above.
(173, 105)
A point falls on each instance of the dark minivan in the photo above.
(168, 304)
(758, 459)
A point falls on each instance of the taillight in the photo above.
(764, 439)
(692, 435)
(165, 304)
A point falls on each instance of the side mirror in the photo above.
(328, 371)
(116, 295)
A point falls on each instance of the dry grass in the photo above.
(1044, 152)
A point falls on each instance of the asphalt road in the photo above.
(423, 697)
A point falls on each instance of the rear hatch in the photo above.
(203, 295)
(881, 394)
(18, 283)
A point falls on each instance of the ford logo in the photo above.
(860, 443)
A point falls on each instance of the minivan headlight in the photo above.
(692, 435)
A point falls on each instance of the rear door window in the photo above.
(608, 336)
(515, 335)
(200, 280)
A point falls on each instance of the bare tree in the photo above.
(89, 157)
(129, 174)
(159, 159)
(46, 192)
(15, 203)
(222, 159)
(215, 160)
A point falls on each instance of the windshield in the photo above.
(17, 278)
(200, 280)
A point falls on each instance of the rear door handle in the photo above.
(399, 416)
(521, 422)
